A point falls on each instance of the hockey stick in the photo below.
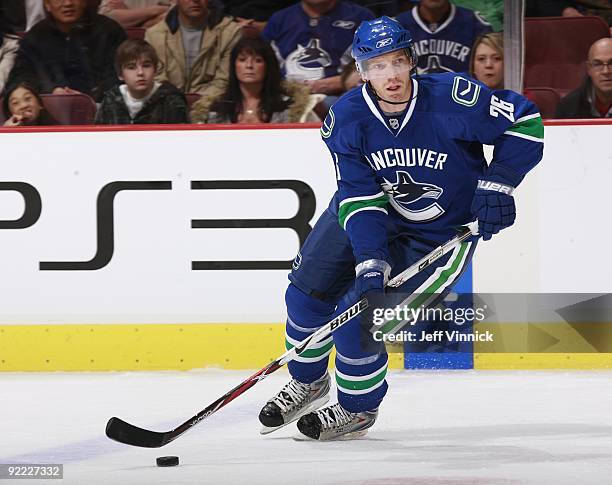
(123, 432)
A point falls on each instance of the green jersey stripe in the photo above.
(312, 353)
(349, 208)
(530, 127)
(356, 385)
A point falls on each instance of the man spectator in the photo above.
(71, 51)
(135, 13)
(594, 98)
(312, 39)
(254, 13)
(570, 8)
(194, 44)
(490, 10)
(443, 35)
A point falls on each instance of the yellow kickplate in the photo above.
(126, 347)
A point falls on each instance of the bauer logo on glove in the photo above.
(493, 206)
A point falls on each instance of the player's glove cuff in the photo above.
(493, 186)
(374, 265)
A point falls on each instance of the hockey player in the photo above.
(410, 169)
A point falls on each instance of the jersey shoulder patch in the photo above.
(465, 91)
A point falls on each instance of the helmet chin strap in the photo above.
(387, 101)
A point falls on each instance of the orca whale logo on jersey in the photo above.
(307, 62)
(433, 66)
(405, 191)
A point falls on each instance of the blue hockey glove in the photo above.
(493, 206)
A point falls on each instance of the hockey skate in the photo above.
(336, 423)
(293, 401)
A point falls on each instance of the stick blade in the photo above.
(123, 432)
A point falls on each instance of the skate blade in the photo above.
(313, 406)
(345, 437)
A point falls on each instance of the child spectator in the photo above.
(23, 106)
(141, 100)
(71, 51)
(487, 61)
(443, 35)
(193, 44)
(594, 98)
(255, 93)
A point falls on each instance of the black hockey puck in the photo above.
(167, 461)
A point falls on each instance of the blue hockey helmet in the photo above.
(379, 36)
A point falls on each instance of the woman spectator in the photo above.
(255, 93)
(487, 62)
(8, 50)
(23, 106)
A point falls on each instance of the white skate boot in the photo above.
(293, 401)
(334, 422)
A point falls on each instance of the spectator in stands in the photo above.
(254, 13)
(487, 61)
(570, 8)
(193, 44)
(23, 106)
(72, 51)
(135, 13)
(594, 98)
(312, 40)
(8, 50)
(491, 11)
(443, 35)
(255, 93)
(142, 99)
(350, 78)
(382, 7)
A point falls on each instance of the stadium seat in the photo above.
(67, 109)
(546, 99)
(135, 33)
(556, 50)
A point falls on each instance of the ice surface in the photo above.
(434, 428)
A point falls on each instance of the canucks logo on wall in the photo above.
(307, 62)
(412, 199)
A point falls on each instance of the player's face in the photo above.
(600, 66)
(250, 68)
(389, 75)
(488, 66)
(139, 75)
(24, 104)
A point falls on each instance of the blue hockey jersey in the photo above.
(313, 48)
(416, 174)
(447, 47)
